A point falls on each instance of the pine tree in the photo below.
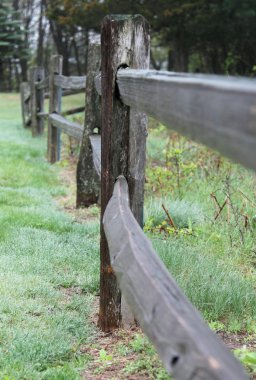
(11, 45)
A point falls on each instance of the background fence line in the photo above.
(217, 111)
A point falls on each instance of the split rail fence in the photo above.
(120, 90)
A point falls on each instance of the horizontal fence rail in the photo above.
(73, 111)
(69, 127)
(219, 112)
(42, 114)
(184, 342)
(65, 93)
(70, 83)
(44, 83)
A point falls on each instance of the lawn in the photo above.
(49, 263)
(49, 254)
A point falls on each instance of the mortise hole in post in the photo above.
(117, 94)
(174, 360)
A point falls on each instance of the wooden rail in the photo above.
(73, 111)
(217, 111)
(69, 127)
(184, 342)
(44, 83)
(70, 83)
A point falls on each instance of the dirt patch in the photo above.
(113, 365)
(67, 202)
(237, 340)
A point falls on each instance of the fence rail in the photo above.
(70, 83)
(44, 83)
(218, 111)
(71, 128)
(187, 347)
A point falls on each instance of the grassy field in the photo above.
(49, 260)
(49, 263)
(213, 259)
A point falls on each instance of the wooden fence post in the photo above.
(87, 179)
(22, 101)
(25, 104)
(37, 101)
(53, 148)
(125, 43)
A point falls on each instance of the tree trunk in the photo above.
(40, 45)
(1, 75)
(178, 57)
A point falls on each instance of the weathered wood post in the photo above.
(23, 94)
(53, 148)
(37, 100)
(125, 43)
(87, 179)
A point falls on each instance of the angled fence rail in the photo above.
(217, 111)
(184, 342)
(70, 83)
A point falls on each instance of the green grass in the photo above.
(49, 264)
(212, 261)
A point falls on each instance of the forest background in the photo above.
(207, 36)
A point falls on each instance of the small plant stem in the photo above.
(169, 217)
(246, 221)
(216, 203)
(222, 207)
(248, 199)
(228, 210)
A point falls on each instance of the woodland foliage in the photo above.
(205, 36)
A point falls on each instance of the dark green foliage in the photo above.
(11, 44)
(201, 35)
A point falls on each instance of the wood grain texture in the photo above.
(42, 84)
(42, 114)
(53, 146)
(73, 111)
(25, 105)
(71, 82)
(72, 92)
(27, 96)
(125, 42)
(37, 100)
(96, 150)
(71, 128)
(97, 83)
(187, 347)
(88, 186)
(219, 112)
